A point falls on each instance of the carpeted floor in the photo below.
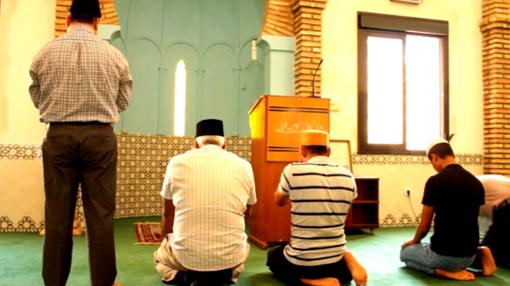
(20, 260)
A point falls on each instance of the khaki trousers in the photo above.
(168, 266)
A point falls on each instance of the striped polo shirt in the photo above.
(321, 193)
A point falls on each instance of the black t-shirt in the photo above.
(456, 196)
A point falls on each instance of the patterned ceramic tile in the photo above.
(405, 220)
(384, 159)
(26, 224)
(20, 152)
(142, 163)
(6, 225)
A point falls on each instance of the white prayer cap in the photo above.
(314, 137)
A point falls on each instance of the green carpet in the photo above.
(20, 260)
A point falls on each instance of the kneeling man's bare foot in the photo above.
(327, 281)
(358, 272)
(463, 274)
(488, 263)
(359, 275)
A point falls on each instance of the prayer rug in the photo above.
(148, 232)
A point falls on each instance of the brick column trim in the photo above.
(308, 32)
(495, 28)
(278, 18)
(62, 9)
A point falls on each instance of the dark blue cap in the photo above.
(209, 127)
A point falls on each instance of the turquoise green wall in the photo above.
(278, 64)
(213, 37)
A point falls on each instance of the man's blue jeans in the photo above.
(421, 257)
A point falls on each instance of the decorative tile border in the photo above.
(20, 152)
(142, 163)
(383, 159)
(237, 144)
(6, 224)
(25, 224)
(405, 220)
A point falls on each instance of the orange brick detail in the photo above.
(62, 8)
(308, 32)
(303, 20)
(278, 19)
(495, 27)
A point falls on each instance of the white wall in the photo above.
(339, 82)
(25, 26)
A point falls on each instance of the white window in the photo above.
(402, 90)
(180, 99)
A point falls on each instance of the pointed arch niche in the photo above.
(210, 37)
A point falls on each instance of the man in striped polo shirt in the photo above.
(321, 193)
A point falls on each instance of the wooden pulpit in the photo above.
(275, 124)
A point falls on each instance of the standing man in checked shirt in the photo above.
(80, 84)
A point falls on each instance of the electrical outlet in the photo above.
(407, 192)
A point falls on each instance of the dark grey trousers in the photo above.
(79, 154)
(498, 235)
(291, 273)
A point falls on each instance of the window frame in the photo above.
(396, 27)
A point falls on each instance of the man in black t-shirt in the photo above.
(454, 196)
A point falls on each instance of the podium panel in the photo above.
(275, 124)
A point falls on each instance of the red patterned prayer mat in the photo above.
(148, 232)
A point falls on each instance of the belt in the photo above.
(80, 123)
